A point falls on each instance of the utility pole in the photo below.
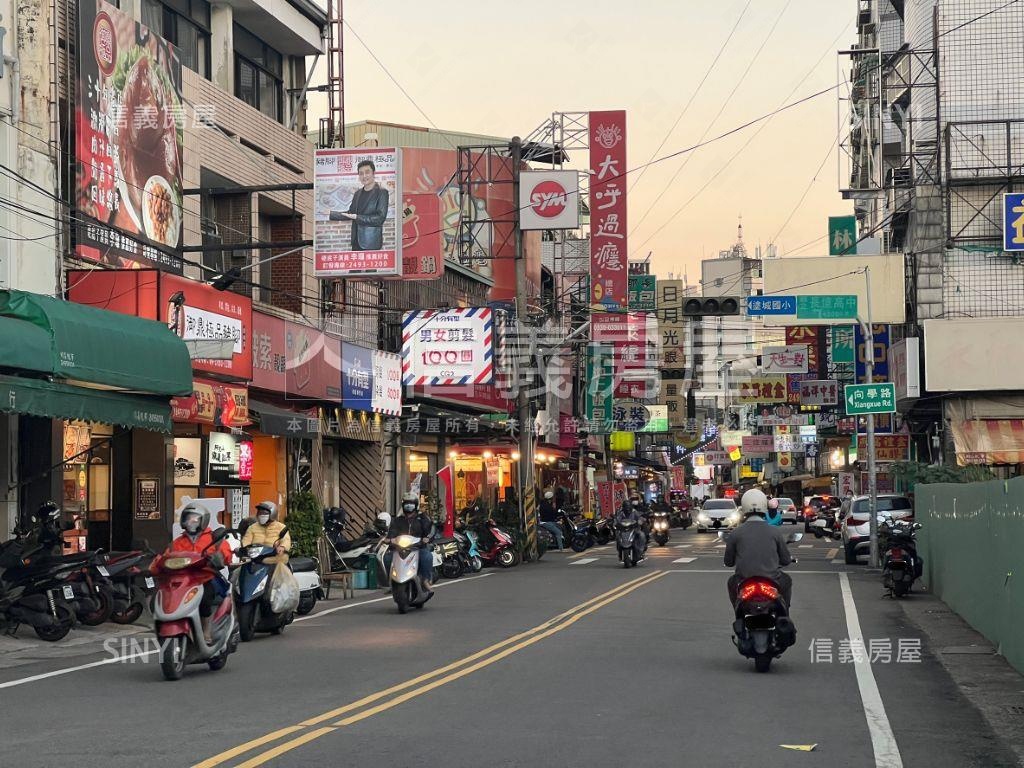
(528, 507)
(869, 369)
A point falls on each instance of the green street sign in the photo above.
(643, 293)
(842, 235)
(600, 388)
(862, 399)
(838, 307)
(843, 343)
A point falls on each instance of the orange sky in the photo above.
(502, 69)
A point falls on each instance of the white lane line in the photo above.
(806, 546)
(839, 561)
(887, 753)
(683, 546)
(140, 654)
(685, 560)
(585, 560)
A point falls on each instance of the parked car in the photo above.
(789, 512)
(855, 521)
(718, 513)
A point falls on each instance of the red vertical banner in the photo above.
(609, 281)
(809, 335)
(606, 498)
(447, 484)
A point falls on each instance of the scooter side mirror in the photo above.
(918, 526)
(220, 534)
(793, 538)
(284, 532)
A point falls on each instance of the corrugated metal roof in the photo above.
(397, 135)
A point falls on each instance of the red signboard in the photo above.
(193, 309)
(422, 237)
(808, 335)
(609, 282)
(887, 447)
(214, 403)
(269, 354)
(245, 460)
(628, 335)
(313, 364)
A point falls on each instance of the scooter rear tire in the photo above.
(129, 616)
(106, 607)
(172, 657)
(306, 605)
(763, 662)
(901, 588)
(58, 631)
(507, 558)
(218, 663)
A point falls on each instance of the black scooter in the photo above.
(577, 533)
(901, 565)
(35, 593)
(762, 629)
(627, 542)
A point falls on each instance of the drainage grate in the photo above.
(1015, 709)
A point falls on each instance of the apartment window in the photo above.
(185, 24)
(259, 79)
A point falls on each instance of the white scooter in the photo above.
(310, 589)
(406, 587)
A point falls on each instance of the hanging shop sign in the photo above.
(812, 338)
(763, 389)
(608, 249)
(356, 377)
(129, 125)
(188, 453)
(387, 383)
(788, 442)
(881, 353)
(549, 200)
(818, 392)
(356, 230)
(452, 346)
(422, 237)
(791, 358)
(211, 402)
(643, 293)
(757, 444)
(223, 459)
(312, 364)
(887, 447)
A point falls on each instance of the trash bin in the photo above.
(358, 579)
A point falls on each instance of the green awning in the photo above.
(62, 401)
(80, 343)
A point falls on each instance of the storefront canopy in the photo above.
(273, 420)
(62, 401)
(95, 346)
(988, 441)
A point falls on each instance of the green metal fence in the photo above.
(973, 545)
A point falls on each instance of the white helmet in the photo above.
(549, 494)
(754, 502)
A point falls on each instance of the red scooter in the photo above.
(499, 548)
(180, 579)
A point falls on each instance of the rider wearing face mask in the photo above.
(267, 529)
(412, 523)
(197, 536)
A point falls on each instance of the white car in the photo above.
(789, 513)
(718, 514)
(856, 521)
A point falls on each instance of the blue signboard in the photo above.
(771, 305)
(881, 333)
(1013, 221)
(356, 377)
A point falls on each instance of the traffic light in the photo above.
(711, 306)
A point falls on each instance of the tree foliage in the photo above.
(914, 472)
(305, 523)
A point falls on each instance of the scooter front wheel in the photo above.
(105, 601)
(506, 558)
(172, 657)
(762, 662)
(57, 631)
(129, 616)
(400, 592)
(247, 621)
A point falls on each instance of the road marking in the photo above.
(887, 753)
(806, 546)
(838, 561)
(683, 546)
(486, 657)
(726, 571)
(832, 553)
(585, 560)
(685, 560)
(140, 654)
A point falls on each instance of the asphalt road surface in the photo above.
(573, 661)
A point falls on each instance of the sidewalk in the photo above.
(983, 676)
(26, 648)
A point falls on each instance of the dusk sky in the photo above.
(501, 69)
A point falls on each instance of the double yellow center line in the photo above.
(374, 704)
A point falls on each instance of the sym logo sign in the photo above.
(549, 200)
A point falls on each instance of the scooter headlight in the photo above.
(176, 563)
(254, 551)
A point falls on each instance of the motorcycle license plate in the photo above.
(102, 570)
(149, 582)
(69, 593)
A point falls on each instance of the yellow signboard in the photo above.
(622, 441)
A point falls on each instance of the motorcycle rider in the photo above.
(632, 511)
(756, 548)
(774, 514)
(413, 523)
(549, 518)
(196, 536)
(267, 530)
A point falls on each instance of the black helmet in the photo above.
(48, 512)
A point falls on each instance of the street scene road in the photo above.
(569, 661)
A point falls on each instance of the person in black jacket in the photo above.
(413, 523)
(368, 211)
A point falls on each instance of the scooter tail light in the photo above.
(858, 521)
(758, 590)
(897, 554)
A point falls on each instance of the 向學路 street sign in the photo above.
(836, 307)
(862, 399)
